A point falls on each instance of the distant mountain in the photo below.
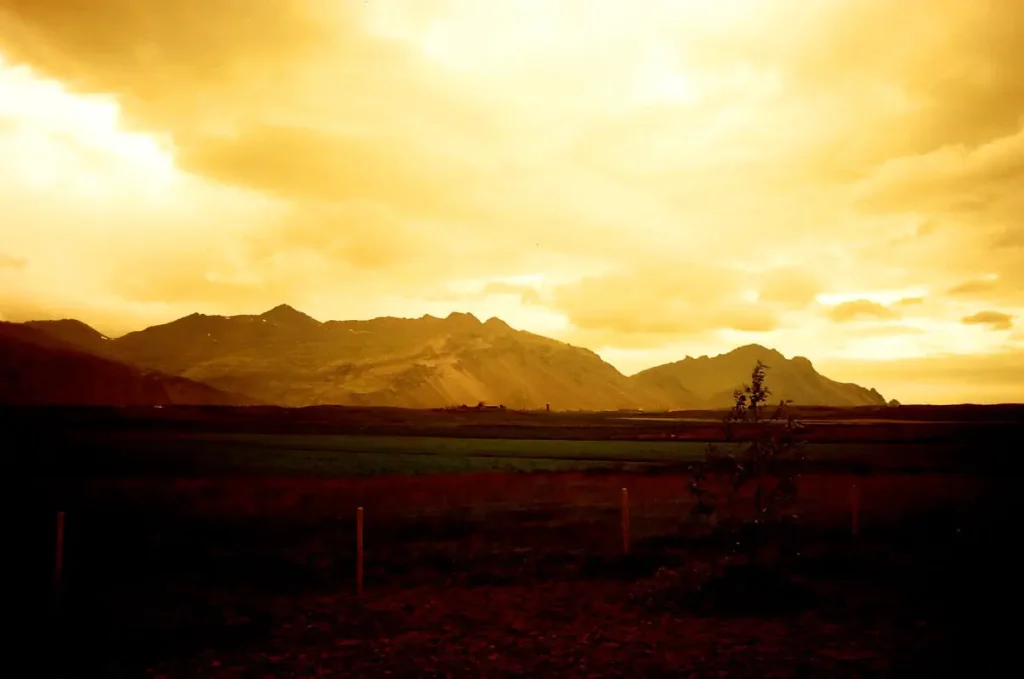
(287, 358)
(713, 380)
(37, 368)
(283, 356)
(76, 334)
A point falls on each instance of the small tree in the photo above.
(765, 451)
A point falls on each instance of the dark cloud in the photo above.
(312, 164)
(949, 76)
(1011, 237)
(976, 95)
(994, 319)
(285, 98)
(848, 311)
(169, 60)
(957, 180)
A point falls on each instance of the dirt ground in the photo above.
(523, 575)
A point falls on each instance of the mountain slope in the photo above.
(713, 380)
(75, 334)
(37, 368)
(286, 357)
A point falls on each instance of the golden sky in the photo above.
(839, 179)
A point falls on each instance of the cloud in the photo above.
(848, 311)
(635, 308)
(886, 330)
(1012, 237)
(10, 262)
(526, 293)
(955, 178)
(310, 164)
(994, 319)
(975, 97)
(793, 287)
(170, 63)
(995, 377)
(973, 288)
(660, 169)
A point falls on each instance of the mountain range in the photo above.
(37, 368)
(285, 357)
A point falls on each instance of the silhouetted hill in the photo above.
(37, 368)
(713, 380)
(76, 334)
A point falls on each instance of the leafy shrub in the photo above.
(761, 450)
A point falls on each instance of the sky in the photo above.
(649, 180)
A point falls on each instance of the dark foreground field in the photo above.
(193, 566)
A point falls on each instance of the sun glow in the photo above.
(61, 140)
(645, 179)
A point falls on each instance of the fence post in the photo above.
(359, 551)
(625, 521)
(855, 510)
(58, 564)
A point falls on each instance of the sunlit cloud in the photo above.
(994, 319)
(9, 262)
(848, 311)
(649, 181)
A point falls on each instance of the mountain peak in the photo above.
(284, 356)
(282, 309)
(283, 313)
(755, 352)
(73, 332)
(714, 379)
(66, 324)
(753, 348)
(460, 317)
(803, 361)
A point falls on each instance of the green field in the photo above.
(344, 455)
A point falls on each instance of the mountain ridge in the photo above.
(38, 368)
(795, 379)
(286, 357)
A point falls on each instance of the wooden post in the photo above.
(855, 510)
(625, 521)
(359, 551)
(58, 564)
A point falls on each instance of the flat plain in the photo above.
(221, 542)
